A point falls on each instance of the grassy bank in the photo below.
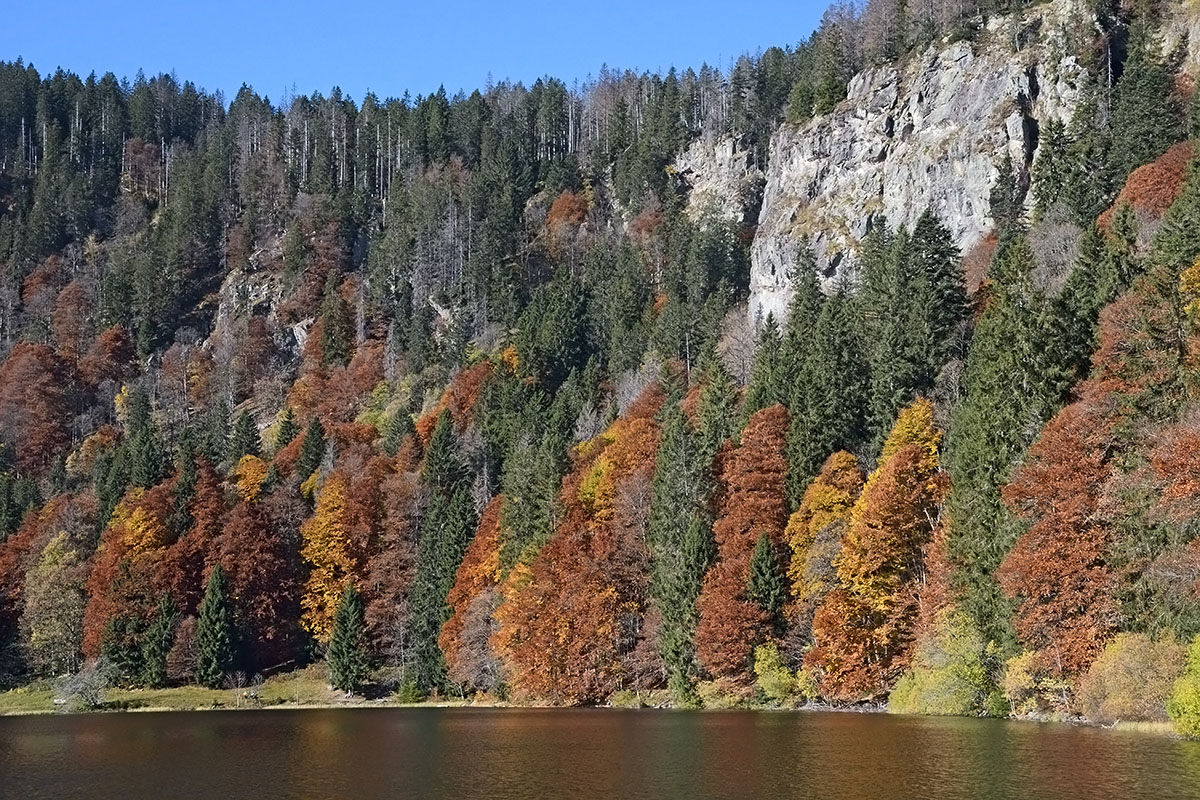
(302, 688)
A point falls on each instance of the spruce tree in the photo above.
(336, 331)
(312, 450)
(244, 440)
(679, 533)
(765, 586)
(347, 654)
(1146, 119)
(156, 644)
(445, 532)
(1009, 390)
(717, 408)
(214, 633)
(763, 388)
(399, 426)
(828, 410)
(289, 429)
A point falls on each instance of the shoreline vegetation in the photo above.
(309, 689)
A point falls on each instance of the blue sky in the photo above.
(363, 45)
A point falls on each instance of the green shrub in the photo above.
(775, 680)
(948, 676)
(1184, 706)
(1131, 680)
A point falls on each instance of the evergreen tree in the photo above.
(399, 426)
(766, 585)
(245, 439)
(1146, 119)
(179, 520)
(1009, 389)
(679, 533)
(347, 655)
(289, 429)
(156, 644)
(717, 408)
(336, 329)
(764, 377)
(146, 458)
(312, 450)
(214, 633)
(829, 405)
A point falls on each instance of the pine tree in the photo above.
(1146, 119)
(347, 655)
(214, 633)
(312, 450)
(765, 586)
(336, 331)
(829, 404)
(245, 440)
(679, 533)
(157, 643)
(289, 429)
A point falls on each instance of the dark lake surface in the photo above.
(593, 753)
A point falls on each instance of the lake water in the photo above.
(593, 753)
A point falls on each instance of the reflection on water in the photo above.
(503, 753)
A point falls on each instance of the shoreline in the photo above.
(129, 702)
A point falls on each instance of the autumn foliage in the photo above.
(569, 623)
(754, 503)
(863, 631)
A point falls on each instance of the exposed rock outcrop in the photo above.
(929, 134)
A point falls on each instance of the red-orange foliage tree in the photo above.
(393, 552)
(261, 564)
(1057, 570)
(470, 660)
(754, 502)
(36, 388)
(126, 576)
(571, 622)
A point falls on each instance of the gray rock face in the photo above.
(929, 134)
(724, 181)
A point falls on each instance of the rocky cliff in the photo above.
(930, 133)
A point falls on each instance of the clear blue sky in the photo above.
(384, 47)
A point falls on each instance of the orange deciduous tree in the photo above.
(571, 622)
(464, 640)
(863, 631)
(754, 503)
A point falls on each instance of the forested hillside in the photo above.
(461, 394)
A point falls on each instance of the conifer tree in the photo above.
(762, 390)
(244, 440)
(828, 407)
(399, 426)
(1146, 119)
(1009, 391)
(679, 533)
(717, 407)
(766, 587)
(445, 533)
(157, 643)
(336, 333)
(289, 429)
(347, 655)
(312, 450)
(214, 633)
